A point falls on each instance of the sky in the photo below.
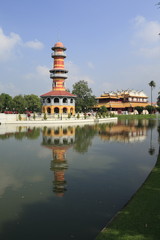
(113, 45)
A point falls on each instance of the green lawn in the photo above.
(140, 219)
(141, 116)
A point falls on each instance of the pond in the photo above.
(68, 182)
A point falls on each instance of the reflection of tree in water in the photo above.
(83, 138)
(159, 136)
(151, 126)
(30, 133)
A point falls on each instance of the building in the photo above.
(125, 100)
(58, 101)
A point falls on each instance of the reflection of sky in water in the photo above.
(100, 176)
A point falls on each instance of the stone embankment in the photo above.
(24, 120)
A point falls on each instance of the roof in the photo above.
(58, 93)
(121, 104)
(59, 44)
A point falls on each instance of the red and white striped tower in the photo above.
(58, 101)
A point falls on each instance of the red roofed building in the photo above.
(58, 101)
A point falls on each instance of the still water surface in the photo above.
(68, 182)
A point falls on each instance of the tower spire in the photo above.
(58, 73)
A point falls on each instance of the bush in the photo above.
(45, 116)
(139, 109)
(150, 109)
(19, 117)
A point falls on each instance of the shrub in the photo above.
(45, 116)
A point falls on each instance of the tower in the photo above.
(58, 101)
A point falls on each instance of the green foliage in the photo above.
(152, 84)
(85, 99)
(19, 117)
(78, 116)
(150, 109)
(139, 109)
(33, 103)
(103, 114)
(158, 109)
(34, 116)
(45, 116)
(158, 99)
(20, 103)
(112, 115)
(6, 102)
(103, 109)
(83, 138)
(69, 115)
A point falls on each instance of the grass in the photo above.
(141, 116)
(140, 218)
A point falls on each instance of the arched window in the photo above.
(71, 101)
(56, 100)
(48, 100)
(56, 131)
(65, 131)
(64, 110)
(48, 110)
(64, 100)
(56, 110)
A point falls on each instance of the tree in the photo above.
(33, 103)
(150, 108)
(85, 99)
(158, 99)
(19, 103)
(103, 109)
(6, 102)
(139, 109)
(152, 84)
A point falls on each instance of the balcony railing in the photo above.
(58, 54)
(58, 75)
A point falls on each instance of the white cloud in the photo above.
(150, 52)
(90, 65)
(9, 88)
(8, 44)
(146, 31)
(146, 38)
(75, 75)
(41, 72)
(34, 44)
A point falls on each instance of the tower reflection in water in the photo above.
(59, 140)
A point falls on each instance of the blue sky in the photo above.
(113, 45)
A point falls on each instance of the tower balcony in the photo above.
(58, 54)
(58, 70)
(58, 75)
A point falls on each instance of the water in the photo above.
(68, 182)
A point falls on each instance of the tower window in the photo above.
(64, 100)
(56, 100)
(48, 100)
(71, 100)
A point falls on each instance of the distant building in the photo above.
(58, 101)
(125, 100)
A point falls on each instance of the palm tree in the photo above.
(158, 99)
(152, 84)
